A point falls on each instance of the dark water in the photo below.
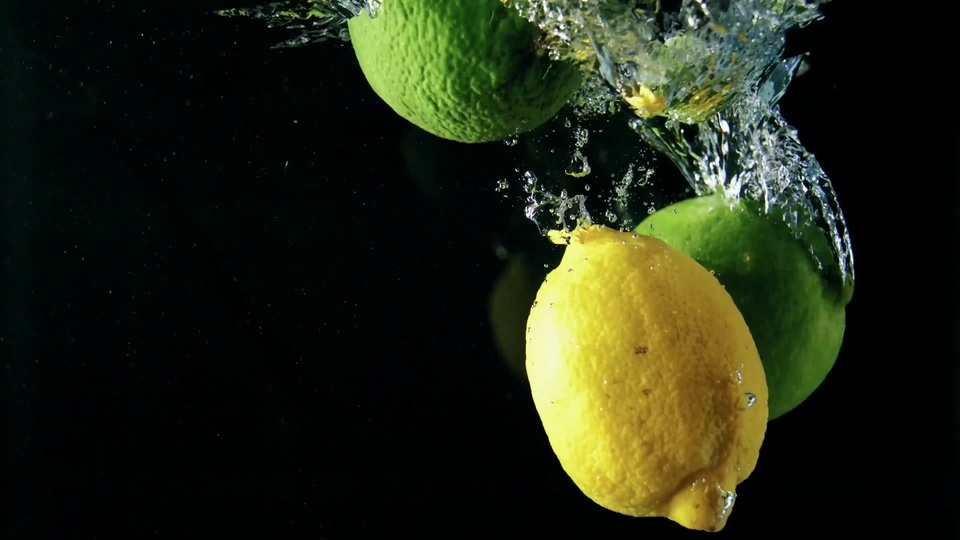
(231, 303)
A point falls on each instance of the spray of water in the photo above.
(702, 78)
(315, 21)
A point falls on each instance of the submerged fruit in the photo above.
(795, 309)
(510, 300)
(646, 379)
(469, 71)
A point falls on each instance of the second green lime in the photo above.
(788, 289)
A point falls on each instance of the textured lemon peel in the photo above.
(650, 469)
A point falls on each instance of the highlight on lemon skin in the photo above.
(646, 379)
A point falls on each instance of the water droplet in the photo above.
(579, 167)
(511, 142)
(729, 498)
(502, 184)
(751, 400)
(739, 376)
(533, 305)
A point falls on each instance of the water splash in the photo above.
(549, 211)
(749, 150)
(703, 79)
(315, 20)
(595, 98)
(701, 76)
(681, 62)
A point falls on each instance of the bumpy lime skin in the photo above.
(465, 70)
(788, 289)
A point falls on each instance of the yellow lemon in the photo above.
(646, 379)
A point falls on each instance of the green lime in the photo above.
(510, 301)
(788, 289)
(467, 70)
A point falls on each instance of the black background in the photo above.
(229, 309)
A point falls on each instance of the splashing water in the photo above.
(702, 78)
(683, 63)
(703, 81)
(749, 150)
(316, 20)
(549, 211)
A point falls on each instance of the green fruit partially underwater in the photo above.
(465, 70)
(509, 306)
(788, 290)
